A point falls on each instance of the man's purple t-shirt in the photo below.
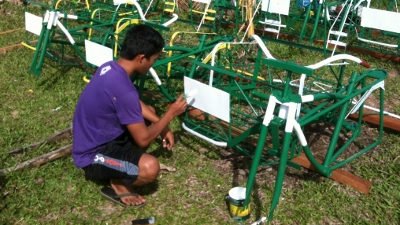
(107, 104)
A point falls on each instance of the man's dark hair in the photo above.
(141, 39)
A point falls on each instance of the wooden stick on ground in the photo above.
(11, 31)
(53, 138)
(339, 175)
(42, 159)
(4, 50)
(56, 154)
(51, 156)
(373, 118)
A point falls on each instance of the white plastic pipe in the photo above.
(169, 22)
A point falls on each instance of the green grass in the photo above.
(194, 194)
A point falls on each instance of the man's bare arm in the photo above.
(143, 135)
(148, 114)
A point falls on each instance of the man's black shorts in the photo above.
(117, 160)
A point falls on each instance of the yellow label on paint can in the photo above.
(236, 198)
(239, 211)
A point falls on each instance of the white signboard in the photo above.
(276, 6)
(33, 23)
(97, 54)
(208, 99)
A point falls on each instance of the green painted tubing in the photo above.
(238, 139)
(356, 131)
(316, 24)
(335, 135)
(281, 174)
(165, 93)
(318, 167)
(32, 69)
(344, 162)
(379, 139)
(189, 53)
(178, 48)
(201, 45)
(371, 146)
(257, 67)
(110, 28)
(43, 47)
(303, 29)
(341, 97)
(382, 106)
(79, 52)
(307, 120)
(255, 163)
(328, 159)
(339, 124)
(287, 89)
(325, 52)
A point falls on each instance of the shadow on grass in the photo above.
(147, 189)
(55, 77)
(3, 182)
(160, 151)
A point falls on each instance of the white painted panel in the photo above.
(276, 6)
(97, 54)
(202, 1)
(117, 2)
(381, 19)
(33, 23)
(208, 99)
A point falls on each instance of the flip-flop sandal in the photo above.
(110, 194)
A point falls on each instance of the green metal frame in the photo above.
(64, 37)
(335, 23)
(279, 131)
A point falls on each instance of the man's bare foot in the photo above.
(121, 188)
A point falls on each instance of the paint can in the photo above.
(236, 198)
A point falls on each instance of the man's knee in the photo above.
(149, 167)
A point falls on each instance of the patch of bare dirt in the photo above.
(13, 2)
(108, 209)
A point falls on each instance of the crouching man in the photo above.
(110, 120)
